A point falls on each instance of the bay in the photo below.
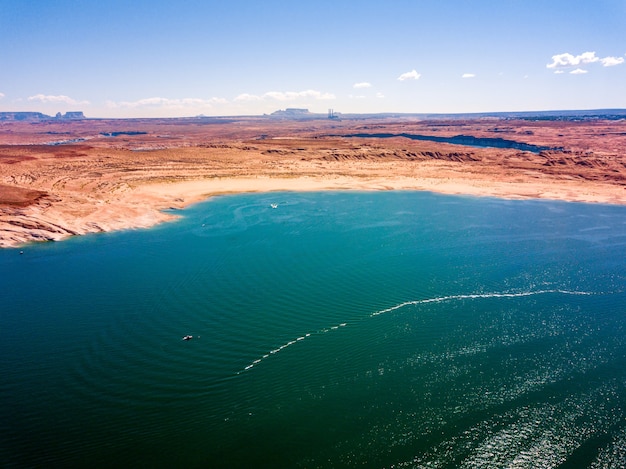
(338, 329)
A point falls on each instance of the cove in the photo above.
(330, 329)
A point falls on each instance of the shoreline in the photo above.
(146, 205)
(127, 181)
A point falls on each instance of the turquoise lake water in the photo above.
(339, 329)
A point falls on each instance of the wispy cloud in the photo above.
(286, 96)
(378, 95)
(412, 75)
(168, 103)
(58, 99)
(1, 95)
(567, 60)
(363, 84)
(248, 97)
(468, 75)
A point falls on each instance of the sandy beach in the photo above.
(73, 178)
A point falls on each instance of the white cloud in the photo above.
(380, 95)
(468, 75)
(1, 95)
(363, 84)
(286, 96)
(611, 61)
(558, 72)
(566, 60)
(412, 75)
(247, 97)
(167, 103)
(60, 99)
(578, 71)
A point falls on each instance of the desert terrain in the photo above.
(64, 178)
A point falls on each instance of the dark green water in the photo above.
(388, 329)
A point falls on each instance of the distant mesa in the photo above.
(292, 113)
(38, 116)
(70, 115)
(23, 116)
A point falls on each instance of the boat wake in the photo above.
(439, 299)
(289, 344)
(475, 296)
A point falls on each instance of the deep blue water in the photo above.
(340, 329)
(466, 140)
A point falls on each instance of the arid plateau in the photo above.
(72, 177)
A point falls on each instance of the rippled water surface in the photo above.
(389, 329)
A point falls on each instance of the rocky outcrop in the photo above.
(15, 196)
(399, 154)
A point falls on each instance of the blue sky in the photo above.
(139, 58)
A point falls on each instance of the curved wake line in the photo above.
(440, 299)
(289, 344)
(476, 296)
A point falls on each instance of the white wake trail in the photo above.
(289, 344)
(476, 296)
(439, 299)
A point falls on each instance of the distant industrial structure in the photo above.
(332, 115)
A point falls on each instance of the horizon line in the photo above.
(303, 113)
